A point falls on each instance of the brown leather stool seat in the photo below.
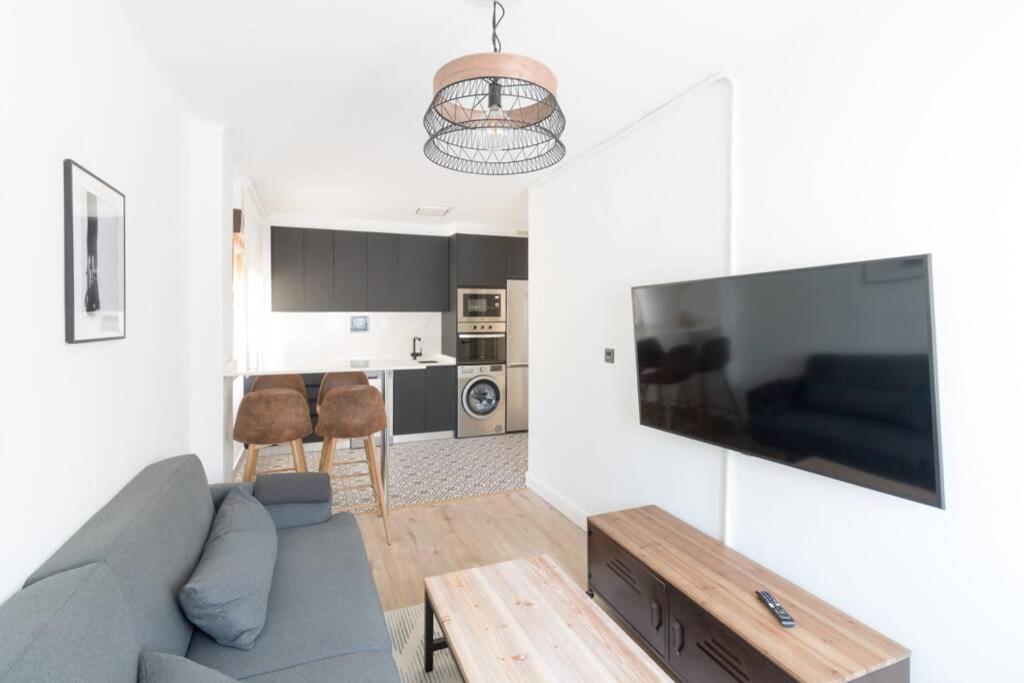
(270, 416)
(333, 380)
(279, 382)
(355, 412)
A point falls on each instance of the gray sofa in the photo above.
(110, 593)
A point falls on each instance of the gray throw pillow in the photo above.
(157, 667)
(228, 592)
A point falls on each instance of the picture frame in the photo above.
(94, 257)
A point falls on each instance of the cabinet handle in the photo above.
(677, 637)
(655, 615)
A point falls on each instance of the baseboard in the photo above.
(573, 512)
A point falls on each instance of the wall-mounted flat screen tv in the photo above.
(828, 369)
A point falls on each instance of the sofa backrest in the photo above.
(895, 389)
(73, 626)
(150, 536)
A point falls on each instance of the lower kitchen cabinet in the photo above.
(441, 399)
(424, 400)
(409, 402)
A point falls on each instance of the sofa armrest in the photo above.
(775, 397)
(295, 498)
(220, 491)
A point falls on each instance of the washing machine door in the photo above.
(481, 398)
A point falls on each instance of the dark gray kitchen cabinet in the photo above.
(441, 398)
(318, 270)
(516, 258)
(422, 273)
(481, 261)
(381, 272)
(286, 269)
(349, 271)
(409, 402)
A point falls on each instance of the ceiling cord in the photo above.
(495, 20)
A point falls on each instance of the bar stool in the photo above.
(293, 381)
(270, 416)
(335, 380)
(355, 412)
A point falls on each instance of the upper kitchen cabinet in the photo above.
(422, 273)
(516, 258)
(286, 269)
(381, 272)
(346, 270)
(318, 270)
(481, 261)
(349, 271)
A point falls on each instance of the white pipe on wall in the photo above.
(732, 204)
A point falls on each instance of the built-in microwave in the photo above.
(481, 305)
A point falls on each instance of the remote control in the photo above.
(777, 609)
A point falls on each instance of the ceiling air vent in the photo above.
(435, 211)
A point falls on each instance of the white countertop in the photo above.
(340, 365)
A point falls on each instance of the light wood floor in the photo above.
(436, 538)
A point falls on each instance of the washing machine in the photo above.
(481, 400)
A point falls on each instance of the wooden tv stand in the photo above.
(692, 602)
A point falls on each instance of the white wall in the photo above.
(885, 129)
(640, 211)
(80, 420)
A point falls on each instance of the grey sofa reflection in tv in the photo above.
(872, 412)
(110, 593)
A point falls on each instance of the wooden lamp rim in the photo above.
(495, 65)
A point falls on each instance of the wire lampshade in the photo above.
(494, 114)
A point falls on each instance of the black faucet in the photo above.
(416, 354)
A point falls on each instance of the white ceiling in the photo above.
(323, 100)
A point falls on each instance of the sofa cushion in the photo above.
(72, 626)
(158, 667)
(375, 666)
(227, 594)
(323, 603)
(150, 535)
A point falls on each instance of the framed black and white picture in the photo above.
(94, 258)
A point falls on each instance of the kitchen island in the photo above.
(380, 372)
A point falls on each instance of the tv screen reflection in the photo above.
(827, 369)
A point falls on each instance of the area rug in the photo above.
(406, 628)
(423, 471)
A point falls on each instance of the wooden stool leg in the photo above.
(327, 455)
(299, 455)
(252, 455)
(378, 487)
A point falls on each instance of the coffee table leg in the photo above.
(428, 634)
(430, 643)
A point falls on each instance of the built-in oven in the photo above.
(481, 305)
(481, 347)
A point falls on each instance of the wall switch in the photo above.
(609, 355)
(359, 323)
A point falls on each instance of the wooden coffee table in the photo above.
(526, 620)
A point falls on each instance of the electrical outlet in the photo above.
(609, 355)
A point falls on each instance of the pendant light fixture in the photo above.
(494, 113)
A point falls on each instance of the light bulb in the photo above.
(493, 133)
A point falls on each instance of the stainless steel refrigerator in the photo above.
(517, 372)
